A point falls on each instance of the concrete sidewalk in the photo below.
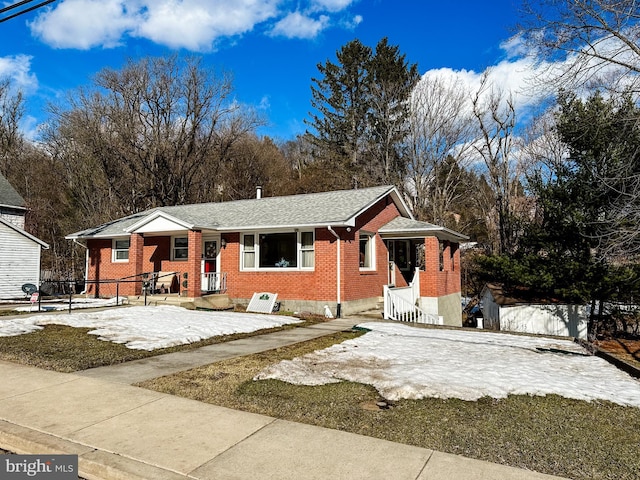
(124, 432)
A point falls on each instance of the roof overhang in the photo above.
(439, 232)
(408, 228)
(13, 207)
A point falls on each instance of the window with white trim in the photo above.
(276, 250)
(367, 251)
(249, 251)
(120, 250)
(307, 251)
(180, 248)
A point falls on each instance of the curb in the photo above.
(93, 464)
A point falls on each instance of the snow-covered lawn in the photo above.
(149, 328)
(407, 362)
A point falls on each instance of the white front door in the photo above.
(210, 265)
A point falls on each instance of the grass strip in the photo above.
(69, 349)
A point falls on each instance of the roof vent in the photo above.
(259, 192)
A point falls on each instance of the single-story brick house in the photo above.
(20, 252)
(529, 313)
(336, 248)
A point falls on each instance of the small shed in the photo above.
(19, 250)
(19, 259)
(528, 313)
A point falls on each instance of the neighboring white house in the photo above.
(19, 251)
(544, 317)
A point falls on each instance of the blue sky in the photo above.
(271, 47)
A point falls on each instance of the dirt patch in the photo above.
(626, 350)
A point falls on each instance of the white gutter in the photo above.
(339, 306)
(86, 265)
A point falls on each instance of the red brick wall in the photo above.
(321, 283)
(101, 267)
(359, 283)
(433, 281)
(153, 255)
(157, 258)
(194, 264)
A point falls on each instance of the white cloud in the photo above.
(85, 24)
(297, 25)
(17, 69)
(515, 47)
(350, 24)
(265, 103)
(332, 5)
(196, 24)
(190, 24)
(514, 77)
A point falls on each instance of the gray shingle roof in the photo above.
(8, 195)
(401, 226)
(314, 209)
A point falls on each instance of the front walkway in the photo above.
(158, 366)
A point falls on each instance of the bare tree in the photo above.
(11, 139)
(542, 151)
(495, 114)
(149, 132)
(441, 133)
(585, 42)
(297, 153)
(256, 162)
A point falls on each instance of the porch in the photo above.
(424, 279)
(186, 263)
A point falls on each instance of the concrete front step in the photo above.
(168, 299)
(217, 301)
(376, 314)
(213, 302)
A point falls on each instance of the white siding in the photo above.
(430, 304)
(19, 262)
(562, 320)
(12, 218)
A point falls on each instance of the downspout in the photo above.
(338, 306)
(86, 265)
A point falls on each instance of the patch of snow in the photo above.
(149, 328)
(61, 305)
(401, 361)
(18, 326)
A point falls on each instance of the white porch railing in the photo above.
(214, 282)
(400, 304)
(398, 308)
